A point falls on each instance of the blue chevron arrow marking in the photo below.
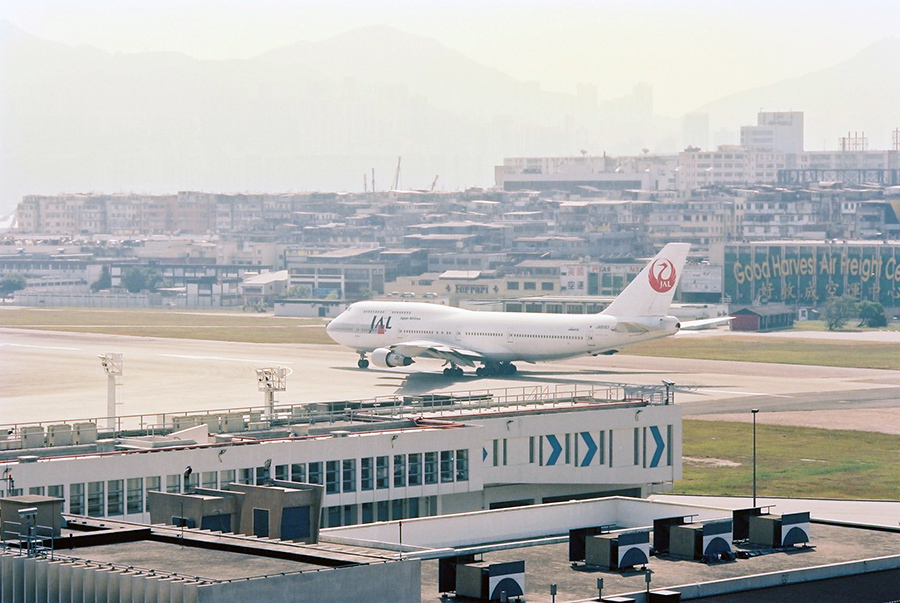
(483, 453)
(660, 446)
(591, 448)
(557, 449)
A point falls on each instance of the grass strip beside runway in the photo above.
(209, 325)
(850, 354)
(799, 462)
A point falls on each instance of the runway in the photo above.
(54, 376)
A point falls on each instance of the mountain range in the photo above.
(318, 116)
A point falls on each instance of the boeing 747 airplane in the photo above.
(393, 334)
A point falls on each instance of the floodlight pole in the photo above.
(753, 412)
(112, 364)
(271, 380)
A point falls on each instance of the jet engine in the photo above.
(385, 358)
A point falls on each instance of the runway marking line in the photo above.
(185, 357)
(739, 393)
(37, 347)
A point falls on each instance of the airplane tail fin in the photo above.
(651, 293)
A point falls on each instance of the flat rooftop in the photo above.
(549, 564)
(200, 554)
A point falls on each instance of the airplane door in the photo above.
(590, 337)
(509, 336)
(458, 334)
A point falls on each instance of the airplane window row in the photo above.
(535, 336)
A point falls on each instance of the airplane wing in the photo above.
(423, 348)
(704, 322)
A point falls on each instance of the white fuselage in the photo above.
(497, 336)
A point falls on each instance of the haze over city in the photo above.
(277, 96)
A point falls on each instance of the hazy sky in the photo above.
(691, 51)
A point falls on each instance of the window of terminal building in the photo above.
(350, 515)
(56, 491)
(208, 479)
(153, 484)
(245, 475)
(134, 495)
(412, 508)
(281, 472)
(462, 465)
(368, 512)
(415, 469)
(298, 472)
(397, 509)
(367, 473)
(332, 477)
(349, 476)
(95, 502)
(115, 497)
(262, 476)
(227, 476)
(495, 456)
(399, 471)
(446, 466)
(76, 499)
(36, 490)
(554, 308)
(512, 285)
(384, 510)
(529, 286)
(332, 517)
(382, 474)
(545, 286)
(431, 467)
(173, 483)
(191, 482)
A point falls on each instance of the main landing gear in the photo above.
(490, 370)
(453, 371)
(362, 362)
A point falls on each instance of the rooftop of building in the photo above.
(327, 419)
(539, 536)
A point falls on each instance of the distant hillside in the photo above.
(317, 116)
(860, 94)
(449, 80)
(304, 117)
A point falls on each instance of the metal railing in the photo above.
(30, 539)
(392, 407)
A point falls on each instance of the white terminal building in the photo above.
(378, 460)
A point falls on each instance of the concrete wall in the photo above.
(397, 582)
(469, 529)
(43, 581)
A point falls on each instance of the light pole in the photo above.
(753, 412)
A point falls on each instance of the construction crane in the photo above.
(434, 183)
(397, 175)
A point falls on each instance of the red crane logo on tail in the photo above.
(662, 275)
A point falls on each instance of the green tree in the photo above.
(296, 292)
(104, 282)
(11, 283)
(871, 314)
(140, 278)
(838, 310)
